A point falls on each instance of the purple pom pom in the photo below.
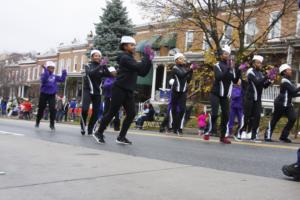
(104, 61)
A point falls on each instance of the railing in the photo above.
(270, 93)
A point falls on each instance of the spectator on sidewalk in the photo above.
(66, 109)
(60, 109)
(148, 115)
(27, 108)
(73, 106)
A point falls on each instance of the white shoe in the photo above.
(244, 135)
(249, 135)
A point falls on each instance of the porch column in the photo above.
(23, 90)
(153, 82)
(19, 91)
(165, 77)
(290, 55)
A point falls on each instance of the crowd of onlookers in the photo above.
(25, 108)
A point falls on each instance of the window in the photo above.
(227, 37)
(205, 45)
(250, 31)
(189, 37)
(298, 24)
(276, 30)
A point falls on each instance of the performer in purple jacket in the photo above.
(48, 92)
(236, 109)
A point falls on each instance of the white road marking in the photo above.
(10, 133)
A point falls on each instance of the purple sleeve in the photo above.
(45, 76)
(61, 78)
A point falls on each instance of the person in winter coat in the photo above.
(60, 109)
(236, 109)
(107, 93)
(73, 107)
(182, 76)
(225, 75)
(257, 81)
(148, 115)
(123, 88)
(3, 107)
(283, 105)
(48, 92)
(27, 107)
(94, 74)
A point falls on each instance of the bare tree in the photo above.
(215, 17)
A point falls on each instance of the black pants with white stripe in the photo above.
(120, 97)
(215, 102)
(87, 98)
(178, 110)
(251, 116)
(280, 111)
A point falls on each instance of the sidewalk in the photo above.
(37, 169)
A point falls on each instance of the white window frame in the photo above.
(225, 40)
(189, 39)
(277, 27)
(249, 31)
(205, 45)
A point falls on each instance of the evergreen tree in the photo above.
(114, 23)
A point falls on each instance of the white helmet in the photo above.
(284, 67)
(96, 51)
(178, 55)
(127, 40)
(258, 57)
(227, 49)
(50, 64)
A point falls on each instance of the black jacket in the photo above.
(224, 77)
(256, 83)
(130, 69)
(182, 76)
(94, 73)
(287, 92)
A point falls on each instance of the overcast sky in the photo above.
(37, 25)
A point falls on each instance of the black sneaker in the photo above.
(292, 170)
(180, 133)
(123, 141)
(285, 140)
(52, 127)
(82, 132)
(269, 140)
(99, 138)
(37, 125)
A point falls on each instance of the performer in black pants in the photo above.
(224, 76)
(257, 81)
(94, 72)
(182, 76)
(123, 88)
(48, 92)
(283, 105)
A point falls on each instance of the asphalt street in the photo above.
(248, 158)
(62, 165)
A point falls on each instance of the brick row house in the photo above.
(283, 44)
